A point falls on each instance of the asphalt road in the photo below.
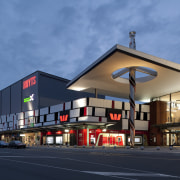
(80, 163)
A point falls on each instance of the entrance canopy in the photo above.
(99, 75)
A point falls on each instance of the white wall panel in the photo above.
(50, 117)
(25, 126)
(117, 105)
(29, 114)
(145, 108)
(11, 124)
(96, 102)
(89, 111)
(26, 121)
(44, 111)
(107, 103)
(100, 112)
(141, 125)
(104, 119)
(74, 113)
(73, 120)
(20, 115)
(56, 108)
(80, 103)
(68, 105)
(136, 107)
(141, 116)
(88, 118)
(37, 112)
(125, 124)
(38, 125)
(3, 118)
(123, 114)
(126, 106)
(41, 118)
(49, 123)
(10, 117)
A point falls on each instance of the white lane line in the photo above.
(39, 157)
(136, 170)
(55, 167)
(11, 156)
(131, 174)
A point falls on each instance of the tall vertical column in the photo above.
(132, 83)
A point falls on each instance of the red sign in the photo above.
(29, 82)
(115, 117)
(64, 118)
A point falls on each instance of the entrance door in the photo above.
(72, 139)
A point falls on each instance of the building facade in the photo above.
(46, 109)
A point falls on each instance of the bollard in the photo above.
(75, 146)
(158, 148)
(127, 147)
(171, 147)
(103, 147)
(114, 147)
(83, 146)
(142, 147)
(93, 147)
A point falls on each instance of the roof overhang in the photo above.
(99, 75)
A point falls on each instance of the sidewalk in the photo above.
(140, 149)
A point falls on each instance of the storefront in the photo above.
(35, 115)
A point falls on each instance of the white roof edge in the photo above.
(151, 58)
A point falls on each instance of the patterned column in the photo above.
(132, 83)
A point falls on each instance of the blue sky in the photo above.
(63, 37)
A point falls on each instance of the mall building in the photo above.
(46, 109)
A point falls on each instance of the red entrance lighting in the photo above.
(59, 132)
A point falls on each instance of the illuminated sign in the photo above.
(30, 98)
(29, 82)
(115, 117)
(64, 118)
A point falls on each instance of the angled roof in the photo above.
(99, 75)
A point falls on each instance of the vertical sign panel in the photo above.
(30, 92)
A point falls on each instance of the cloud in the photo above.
(64, 37)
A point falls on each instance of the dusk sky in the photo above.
(63, 37)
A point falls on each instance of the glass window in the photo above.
(175, 107)
(166, 99)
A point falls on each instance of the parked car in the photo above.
(16, 144)
(3, 144)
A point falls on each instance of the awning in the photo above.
(99, 75)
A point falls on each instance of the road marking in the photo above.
(107, 165)
(55, 167)
(111, 174)
(11, 156)
(131, 174)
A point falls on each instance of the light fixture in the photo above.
(104, 130)
(66, 130)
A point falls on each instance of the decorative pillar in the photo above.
(132, 83)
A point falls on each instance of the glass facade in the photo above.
(171, 134)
